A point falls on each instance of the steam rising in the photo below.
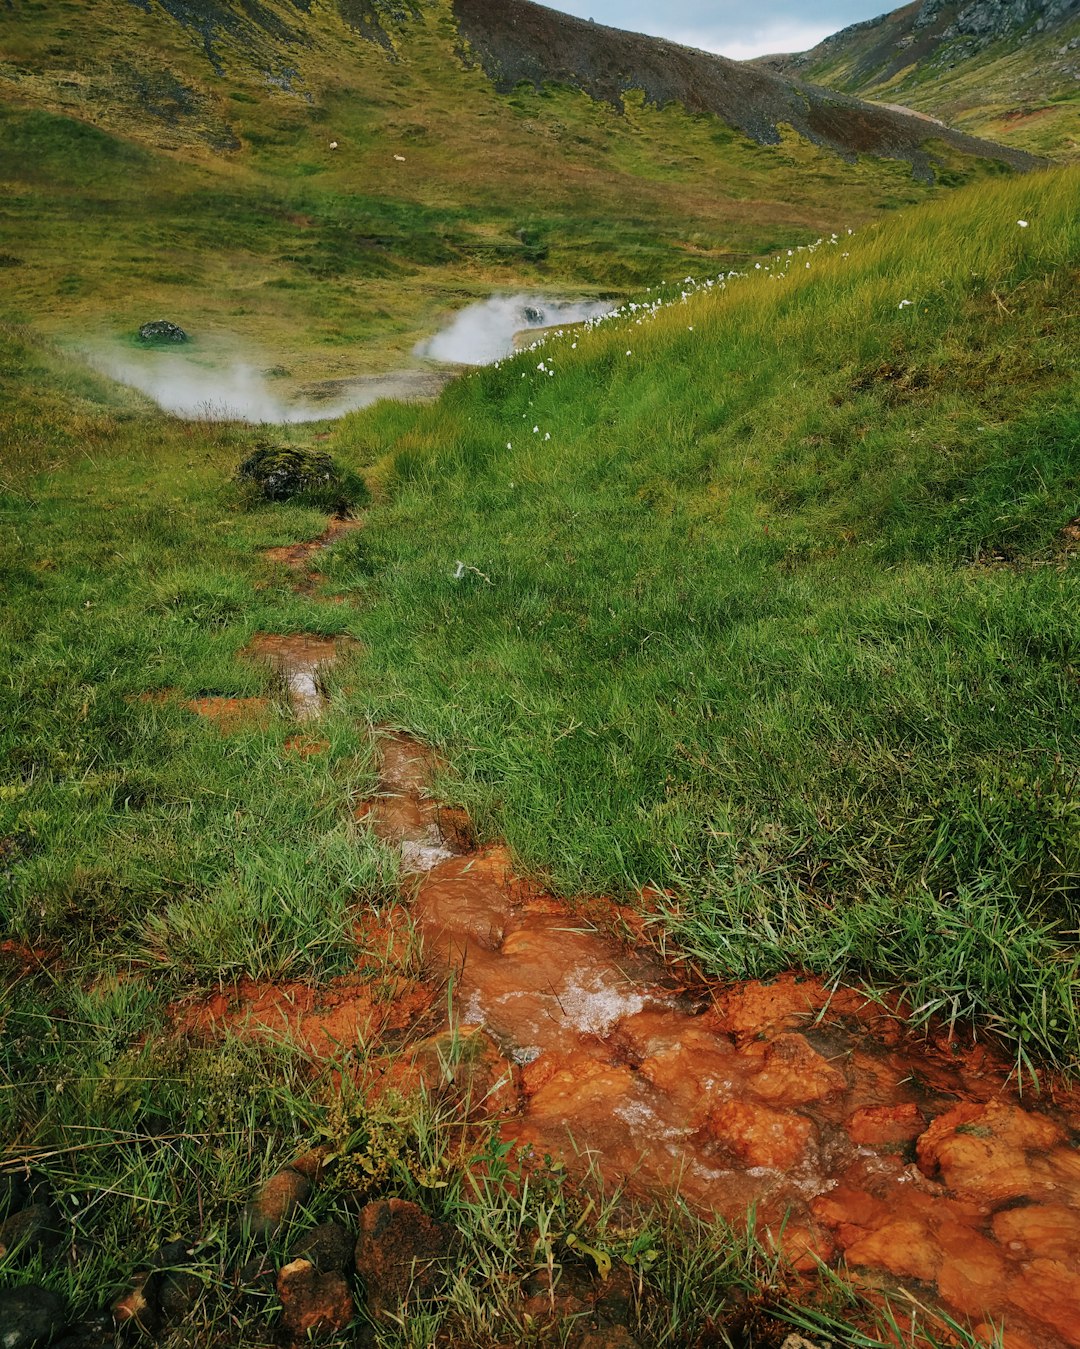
(204, 388)
(485, 332)
(239, 392)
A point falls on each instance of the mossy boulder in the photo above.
(286, 473)
(161, 330)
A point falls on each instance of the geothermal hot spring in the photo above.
(206, 381)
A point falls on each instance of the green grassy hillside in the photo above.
(781, 616)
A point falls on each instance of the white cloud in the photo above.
(780, 36)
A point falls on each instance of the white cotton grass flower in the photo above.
(905, 304)
(1023, 224)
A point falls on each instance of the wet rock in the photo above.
(998, 1152)
(328, 1247)
(277, 1199)
(161, 330)
(31, 1230)
(281, 472)
(1049, 1231)
(760, 1136)
(533, 316)
(30, 1316)
(1049, 1292)
(886, 1125)
(398, 1253)
(313, 1303)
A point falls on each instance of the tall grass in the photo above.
(780, 615)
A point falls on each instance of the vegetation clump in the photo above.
(161, 330)
(289, 473)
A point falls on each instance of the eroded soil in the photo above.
(914, 1160)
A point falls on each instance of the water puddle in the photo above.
(299, 660)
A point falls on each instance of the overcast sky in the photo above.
(731, 27)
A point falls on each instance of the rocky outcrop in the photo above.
(515, 42)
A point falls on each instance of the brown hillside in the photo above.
(519, 42)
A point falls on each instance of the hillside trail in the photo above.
(913, 1159)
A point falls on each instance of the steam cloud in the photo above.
(485, 332)
(236, 391)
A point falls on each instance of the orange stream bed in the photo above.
(914, 1159)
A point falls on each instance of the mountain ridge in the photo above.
(1001, 68)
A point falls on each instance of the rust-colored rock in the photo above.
(760, 1136)
(398, 1254)
(997, 1151)
(277, 1199)
(886, 1125)
(314, 1304)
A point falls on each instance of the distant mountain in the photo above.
(285, 42)
(1007, 69)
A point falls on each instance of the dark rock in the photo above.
(398, 1253)
(277, 1199)
(313, 1303)
(14, 1194)
(30, 1316)
(96, 1331)
(32, 1229)
(328, 1247)
(255, 1281)
(173, 1255)
(533, 316)
(281, 472)
(161, 330)
(178, 1292)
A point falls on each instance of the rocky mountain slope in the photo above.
(165, 63)
(1009, 69)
